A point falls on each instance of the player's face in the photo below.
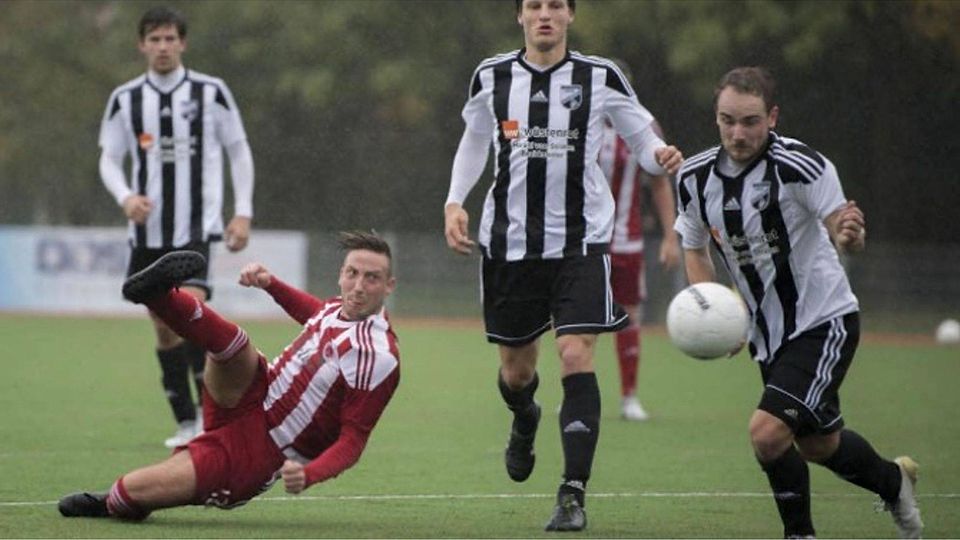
(162, 48)
(545, 23)
(744, 124)
(365, 283)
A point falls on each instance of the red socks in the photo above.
(628, 356)
(121, 506)
(194, 321)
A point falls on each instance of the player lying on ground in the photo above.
(305, 417)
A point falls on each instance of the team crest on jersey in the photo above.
(571, 96)
(190, 109)
(329, 352)
(145, 140)
(761, 199)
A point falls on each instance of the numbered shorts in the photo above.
(235, 458)
(524, 299)
(141, 258)
(628, 279)
(802, 384)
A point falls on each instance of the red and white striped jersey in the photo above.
(328, 388)
(625, 176)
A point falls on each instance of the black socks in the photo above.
(579, 431)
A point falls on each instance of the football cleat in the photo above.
(165, 273)
(906, 515)
(630, 409)
(568, 515)
(519, 455)
(84, 505)
(187, 430)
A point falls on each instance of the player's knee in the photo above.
(576, 353)
(769, 436)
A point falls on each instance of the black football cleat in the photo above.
(519, 456)
(84, 505)
(568, 515)
(165, 273)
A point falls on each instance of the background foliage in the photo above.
(352, 107)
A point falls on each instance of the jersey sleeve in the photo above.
(689, 226)
(229, 124)
(626, 113)
(298, 304)
(825, 194)
(360, 412)
(113, 135)
(477, 113)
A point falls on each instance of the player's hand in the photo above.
(455, 228)
(670, 252)
(851, 227)
(137, 208)
(238, 233)
(294, 479)
(669, 157)
(255, 275)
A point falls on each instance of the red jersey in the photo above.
(328, 388)
(626, 181)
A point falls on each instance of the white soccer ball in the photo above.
(948, 333)
(707, 320)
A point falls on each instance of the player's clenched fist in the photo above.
(294, 479)
(255, 275)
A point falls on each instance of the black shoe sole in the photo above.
(165, 273)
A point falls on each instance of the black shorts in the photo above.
(523, 299)
(802, 383)
(141, 258)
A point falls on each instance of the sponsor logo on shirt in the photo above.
(145, 140)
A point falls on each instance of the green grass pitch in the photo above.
(81, 404)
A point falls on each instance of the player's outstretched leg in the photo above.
(519, 455)
(568, 514)
(906, 515)
(84, 504)
(165, 273)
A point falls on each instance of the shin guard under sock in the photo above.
(858, 463)
(790, 480)
(175, 368)
(579, 430)
(521, 403)
(194, 321)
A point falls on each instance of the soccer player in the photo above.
(305, 417)
(176, 124)
(545, 231)
(775, 211)
(627, 273)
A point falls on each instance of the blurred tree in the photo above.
(352, 108)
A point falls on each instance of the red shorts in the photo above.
(235, 459)
(627, 278)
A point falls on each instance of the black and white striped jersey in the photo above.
(767, 223)
(175, 140)
(549, 198)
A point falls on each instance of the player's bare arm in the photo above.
(848, 227)
(456, 221)
(294, 478)
(670, 158)
(662, 194)
(237, 234)
(255, 275)
(137, 208)
(699, 265)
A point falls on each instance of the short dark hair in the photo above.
(162, 16)
(368, 240)
(754, 80)
(571, 3)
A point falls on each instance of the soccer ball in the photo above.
(948, 333)
(707, 320)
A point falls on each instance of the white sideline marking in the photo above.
(627, 495)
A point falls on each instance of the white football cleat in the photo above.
(186, 431)
(630, 409)
(906, 515)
